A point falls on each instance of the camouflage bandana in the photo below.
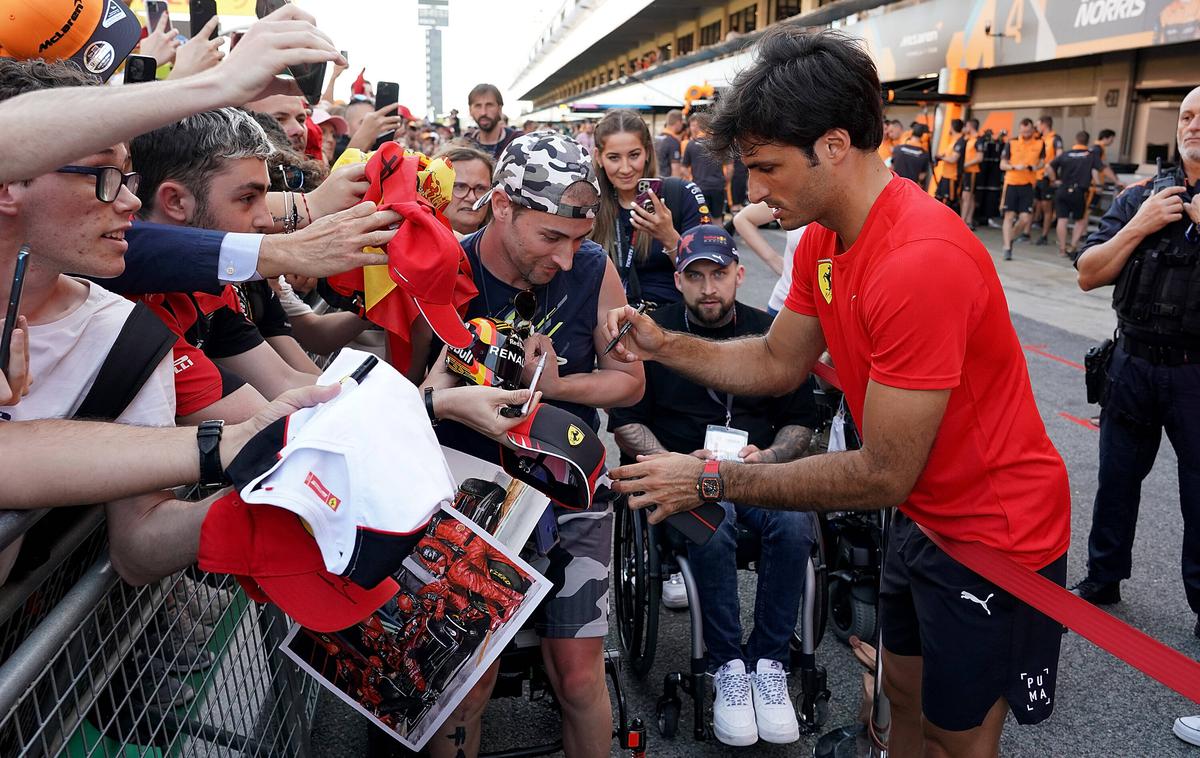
(536, 169)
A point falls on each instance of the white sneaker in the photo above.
(733, 711)
(773, 708)
(674, 593)
(1187, 728)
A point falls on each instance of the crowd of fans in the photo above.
(201, 217)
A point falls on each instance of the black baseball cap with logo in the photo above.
(96, 34)
(556, 453)
(706, 242)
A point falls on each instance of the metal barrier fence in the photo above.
(90, 666)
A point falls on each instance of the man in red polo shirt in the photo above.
(909, 304)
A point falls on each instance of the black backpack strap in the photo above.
(137, 351)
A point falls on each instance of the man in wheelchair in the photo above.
(678, 415)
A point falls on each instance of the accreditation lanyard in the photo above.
(627, 263)
(728, 402)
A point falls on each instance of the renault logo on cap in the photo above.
(574, 435)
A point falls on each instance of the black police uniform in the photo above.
(1153, 386)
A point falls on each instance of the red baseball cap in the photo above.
(276, 560)
(424, 257)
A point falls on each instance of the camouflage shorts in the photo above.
(578, 568)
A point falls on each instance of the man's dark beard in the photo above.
(486, 124)
(700, 320)
(201, 216)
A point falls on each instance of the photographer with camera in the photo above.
(1148, 245)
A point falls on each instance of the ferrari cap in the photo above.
(95, 34)
(556, 453)
(364, 471)
(275, 560)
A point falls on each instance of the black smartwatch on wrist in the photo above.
(208, 440)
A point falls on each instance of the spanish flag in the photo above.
(426, 273)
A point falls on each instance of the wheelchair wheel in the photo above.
(850, 615)
(668, 717)
(638, 590)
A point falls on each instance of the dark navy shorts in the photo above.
(978, 642)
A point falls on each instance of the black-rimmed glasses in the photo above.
(293, 177)
(462, 189)
(109, 180)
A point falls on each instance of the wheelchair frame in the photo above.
(643, 557)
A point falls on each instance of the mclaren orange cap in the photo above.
(96, 34)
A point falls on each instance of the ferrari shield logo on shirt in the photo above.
(825, 279)
(321, 491)
(574, 435)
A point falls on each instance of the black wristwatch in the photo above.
(710, 486)
(429, 406)
(208, 439)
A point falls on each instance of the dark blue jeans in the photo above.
(1143, 401)
(787, 539)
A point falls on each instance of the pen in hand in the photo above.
(624, 330)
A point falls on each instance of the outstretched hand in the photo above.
(236, 436)
(479, 407)
(287, 37)
(641, 342)
(665, 480)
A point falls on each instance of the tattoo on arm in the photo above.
(790, 443)
(637, 439)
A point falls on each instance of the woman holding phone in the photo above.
(640, 227)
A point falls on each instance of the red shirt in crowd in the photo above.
(916, 304)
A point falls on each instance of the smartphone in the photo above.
(699, 524)
(646, 188)
(386, 93)
(155, 10)
(14, 304)
(267, 7)
(310, 77)
(140, 68)
(199, 14)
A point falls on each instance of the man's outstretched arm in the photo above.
(115, 114)
(774, 364)
(899, 430)
(60, 462)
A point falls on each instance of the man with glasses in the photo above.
(534, 263)
(472, 178)
(74, 220)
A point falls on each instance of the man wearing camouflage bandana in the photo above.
(543, 200)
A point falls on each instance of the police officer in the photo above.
(1148, 246)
